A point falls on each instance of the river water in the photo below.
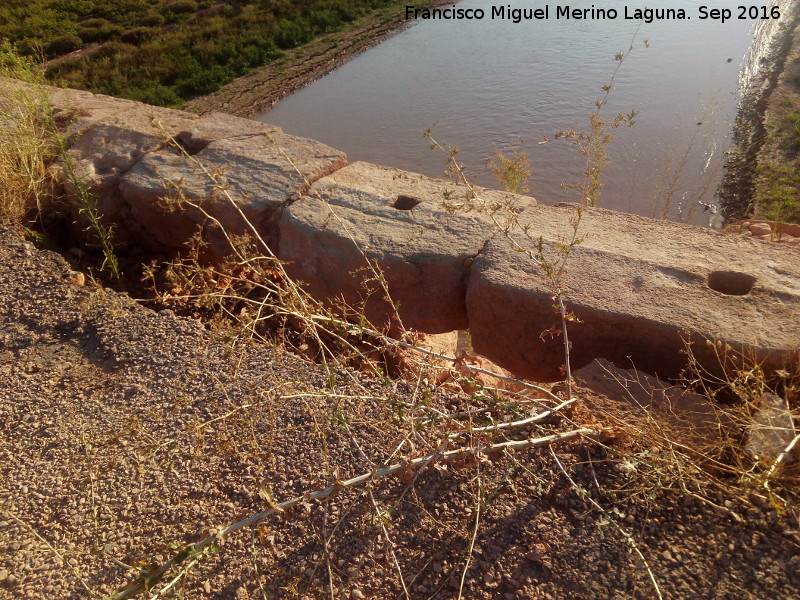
(486, 86)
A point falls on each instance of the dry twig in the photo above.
(151, 577)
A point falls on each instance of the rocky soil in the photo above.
(745, 163)
(126, 434)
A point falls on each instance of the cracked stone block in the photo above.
(122, 152)
(218, 126)
(405, 225)
(107, 149)
(637, 288)
(74, 110)
(250, 174)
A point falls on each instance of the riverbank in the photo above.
(257, 92)
(761, 171)
(126, 435)
(777, 177)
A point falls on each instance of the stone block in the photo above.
(110, 137)
(249, 172)
(401, 223)
(637, 287)
(107, 148)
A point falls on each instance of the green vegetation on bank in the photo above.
(165, 52)
(777, 179)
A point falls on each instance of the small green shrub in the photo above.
(95, 23)
(114, 49)
(154, 93)
(289, 34)
(180, 7)
(30, 143)
(138, 35)
(790, 131)
(779, 196)
(64, 45)
(91, 35)
(512, 172)
(151, 19)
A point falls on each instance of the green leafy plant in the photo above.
(512, 172)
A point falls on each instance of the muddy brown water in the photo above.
(487, 85)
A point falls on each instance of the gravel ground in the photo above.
(126, 434)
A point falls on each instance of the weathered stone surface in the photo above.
(77, 110)
(106, 138)
(402, 224)
(253, 172)
(122, 150)
(219, 126)
(74, 110)
(648, 404)
(637, 286)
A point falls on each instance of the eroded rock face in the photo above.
(104, 149)
(252, 173)
(365, 222)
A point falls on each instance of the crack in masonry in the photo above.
(302, 190)
(118, 175)
(183, 134)
(468, 263)
(206, 143)
(180, 137)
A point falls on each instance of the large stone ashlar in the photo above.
(367, 222)
(254, 174)
(640, 290)
(136, 159)
(638, 286)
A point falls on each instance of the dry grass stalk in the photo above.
(742, 379)
(514, 424)
(27, 147)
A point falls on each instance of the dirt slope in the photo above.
(125, 434)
